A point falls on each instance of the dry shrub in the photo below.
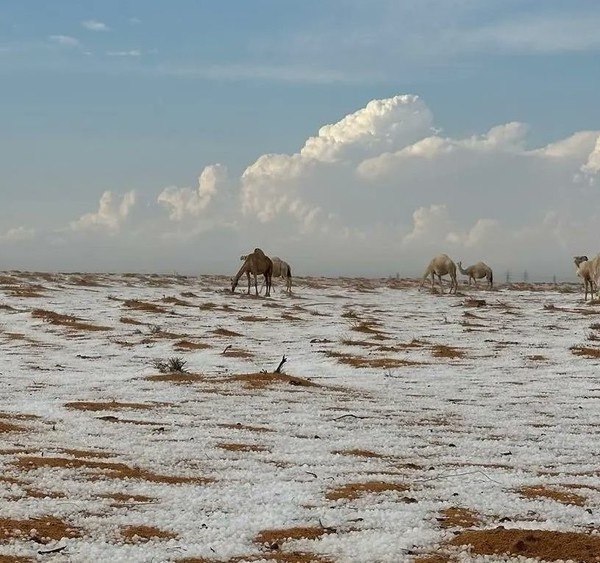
(141, 533)
(352, 491)
(543, 544)
(68, 321)
(143, 306)
(443, 351)
(540, 491)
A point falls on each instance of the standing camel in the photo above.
(478, 271)
(256, 264)
(587, 271)
(440, 266)
(281, 269)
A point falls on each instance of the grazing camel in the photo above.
(281, 269)
(478, 271)
(440, 266)
(256, 264)
(587, 270)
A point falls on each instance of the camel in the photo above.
(440, 266)
(281, 269)
(478, 271)
(588, 271)
(256, 264)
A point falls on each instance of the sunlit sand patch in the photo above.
(42, 529)
(31, 291)
(542, 491)
(278, 537)
(225, 332)
(176, 301)
(143, 533)
(138, 305)
(371, 362)
(232, 352)
(246, 427)
(88, 453)
(275, 555)
(9, 425)
(585, 351)
(263, 380)
(544, 544)
(443, 351)
(359, 453)
(178, 378)
(124, 500)
(67, 321)
(85, 281)
(352, 491)
(457, 517)
(112, 470)
(130, 321)
(186, 345)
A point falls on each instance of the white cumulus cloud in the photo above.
(112, 212)
(183, 202)
(17, 234)
(94, 25)
(65, 40)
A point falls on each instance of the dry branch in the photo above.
(283, 360)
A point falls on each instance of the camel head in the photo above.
(243, 257)
(579, 259)
(233, 285)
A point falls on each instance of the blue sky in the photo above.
(137, 96)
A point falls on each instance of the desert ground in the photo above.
(144, 419)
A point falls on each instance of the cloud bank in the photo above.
(379, 191)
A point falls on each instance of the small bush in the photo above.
(174, 364)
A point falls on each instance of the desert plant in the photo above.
(175, 364)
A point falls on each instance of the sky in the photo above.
(347, 137)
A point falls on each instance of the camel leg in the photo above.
(248, 276)
(441, 285)
(256, 284)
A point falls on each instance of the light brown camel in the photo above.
(440, 266)
(478, 271)
(256, 264)
(281, 269)
(587, 270)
